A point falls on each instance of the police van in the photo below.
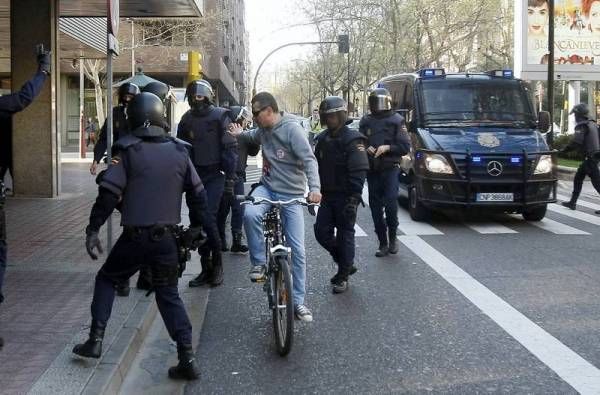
(476, 142)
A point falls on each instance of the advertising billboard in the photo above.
(576, 39)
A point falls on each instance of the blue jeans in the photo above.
(383, 196)
(293, 227)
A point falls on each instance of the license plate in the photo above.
(495, 197)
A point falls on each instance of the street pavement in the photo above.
(470, 304)
(474, 304)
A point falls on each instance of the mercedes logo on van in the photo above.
(494, 168)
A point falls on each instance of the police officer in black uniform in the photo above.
(587, 140)
(9, 105)
(160, 89)
(214, 154)
(343, 165)
(149, 176)
(243, 117)
(120, 127)
(388, 141)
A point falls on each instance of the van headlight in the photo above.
(544, 165)
(436, 163)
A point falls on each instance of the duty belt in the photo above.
(154, 232)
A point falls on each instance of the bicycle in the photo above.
(278, 278)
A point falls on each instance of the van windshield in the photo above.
(475, 100)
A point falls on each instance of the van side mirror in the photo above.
(544, 121)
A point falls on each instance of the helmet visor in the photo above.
(380, 103)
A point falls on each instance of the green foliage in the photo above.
(561, 142)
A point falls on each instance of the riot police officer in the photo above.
(9, 105)
(343, 165)
(387, 142)
(214, 154)
(148, 176)
(243, 117)
(158, 88)
(120, 127)
(587, 140)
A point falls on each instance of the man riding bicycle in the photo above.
(288, 161)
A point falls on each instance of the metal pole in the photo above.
(109, 135)
(82, 146)
(348, 96)
(132, 49)
(550, 137)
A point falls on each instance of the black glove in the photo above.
(350, 208)
(44, 62)
(92, 241)
(194, 237)
(228, 190)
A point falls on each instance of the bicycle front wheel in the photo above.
(283, 311)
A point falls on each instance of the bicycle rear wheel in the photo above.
(283, 311)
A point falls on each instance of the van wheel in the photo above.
(418, 212)
(535, 214)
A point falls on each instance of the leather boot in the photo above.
(187, 368)
(392, 243)
(204, 277)
(238, 246)
(570, 205)
(123, 288)
(383, 245)
(92, 348)
(216, 277)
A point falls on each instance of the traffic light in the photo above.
(343, 43)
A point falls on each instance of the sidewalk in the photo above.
(48, 289)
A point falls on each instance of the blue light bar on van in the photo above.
(501, 73)
(430, 73)
(515, 159)
(476, 159)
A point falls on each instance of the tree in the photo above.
(92, 69)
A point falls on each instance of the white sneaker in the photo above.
(303, 313)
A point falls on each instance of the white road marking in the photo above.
(359, 232)
(571, 367)
(552, 226)
(490, 228)
(580, 202)
(409, 227)
(590, 218)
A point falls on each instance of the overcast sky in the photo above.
(271, 23)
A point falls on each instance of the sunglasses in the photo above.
(257, 113)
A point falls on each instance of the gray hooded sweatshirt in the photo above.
(288, 160)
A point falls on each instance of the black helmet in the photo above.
(198, 88)
(380, 100)
(240, 114)
(333, 105)
(158, 88)
(127, 88)
(581, 110)
(145, 110)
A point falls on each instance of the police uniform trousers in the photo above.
(383, 196)
(3, 251)
(334, 231)
(237, 210)
(214, 183)
(134, 249)
(589, 167)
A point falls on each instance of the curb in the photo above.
(108, 376)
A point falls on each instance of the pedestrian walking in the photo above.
(243, 117)
(90, 132)
(387, 142)
(149, 175)
(587, 141)
(9, 105)
(288, 161)
(343, 165)
(214, 154)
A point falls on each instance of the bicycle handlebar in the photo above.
(255, 200)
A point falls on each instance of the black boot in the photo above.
(383, 245)
(204, 277)
(238, 246)
(570, 205)
(340, 281)
(123, 288)
(187, 368)
(216, 277)
(92, 348)
(392, 244)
